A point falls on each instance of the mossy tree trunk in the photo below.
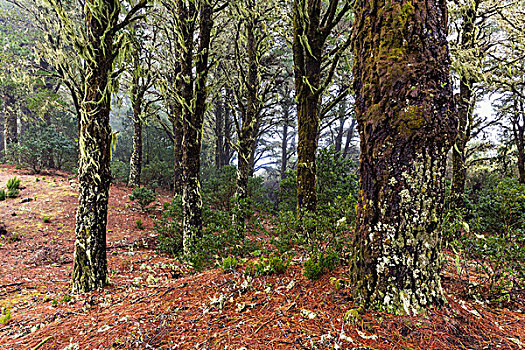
(176, 122)
(193, 94)
(94, 174)
(307, 69)
(10, 122)
(137, 97)
(250, 111)
(311, 29)
(465, 104)
(219, 132)
(518, 133)
(406, 121)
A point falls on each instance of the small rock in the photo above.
(26, 200)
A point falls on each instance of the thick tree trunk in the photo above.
(94, 174)
(406, 122)
(307, 70)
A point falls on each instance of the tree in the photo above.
(143, 40)
(406, 121)
(311, 30)
(98, 44)
(190, 37)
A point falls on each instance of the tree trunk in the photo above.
(406, 122)
(341, 128)
(349, 136)
(177, 149)
(284, 146)
(135, 166)
(518, 129)
(94, 174)
(228, 130)
(219, 132)
(194, 94)
(465, 104)
(307, 70)
(10, 123)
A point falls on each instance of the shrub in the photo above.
(144, 196)
(229, 264)
(13, 193)
(337, 185)
(319, 264)
(13, 183)
(119, 170)
(2, 195)
(42, 146)
(266, 266)
(491, 234)
(139, 224)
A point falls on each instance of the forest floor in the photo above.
(154, 302)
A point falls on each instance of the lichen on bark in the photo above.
(406, 123)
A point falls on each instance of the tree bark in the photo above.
(135, 169)
(406, 122)
(465, 105)
(194, 93)
(219, 132)
(250, 118)
(518, 130)
(94, 174)
(307, 70)
(349, 136)
(10, 123)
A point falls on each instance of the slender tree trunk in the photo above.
(177, 149)
(341, 128)
(219, 132)
(94, 174)
(10, 123)
(465, 104)
(406, 122)
(284, 146)
(349, 136)
(228, 130)
(194, 87)
(307, 70)
(135, 168)
(518, 129)
(250, 119)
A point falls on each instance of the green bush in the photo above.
(13, 183)
(337, 185)
(2, 195)
(42, 146)
(491, 234)
(144, 196)
(169, 227)
(266, 266)
(229, 264)
(158, 173)
(319, 264)
(119, 170)
(219, 238)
